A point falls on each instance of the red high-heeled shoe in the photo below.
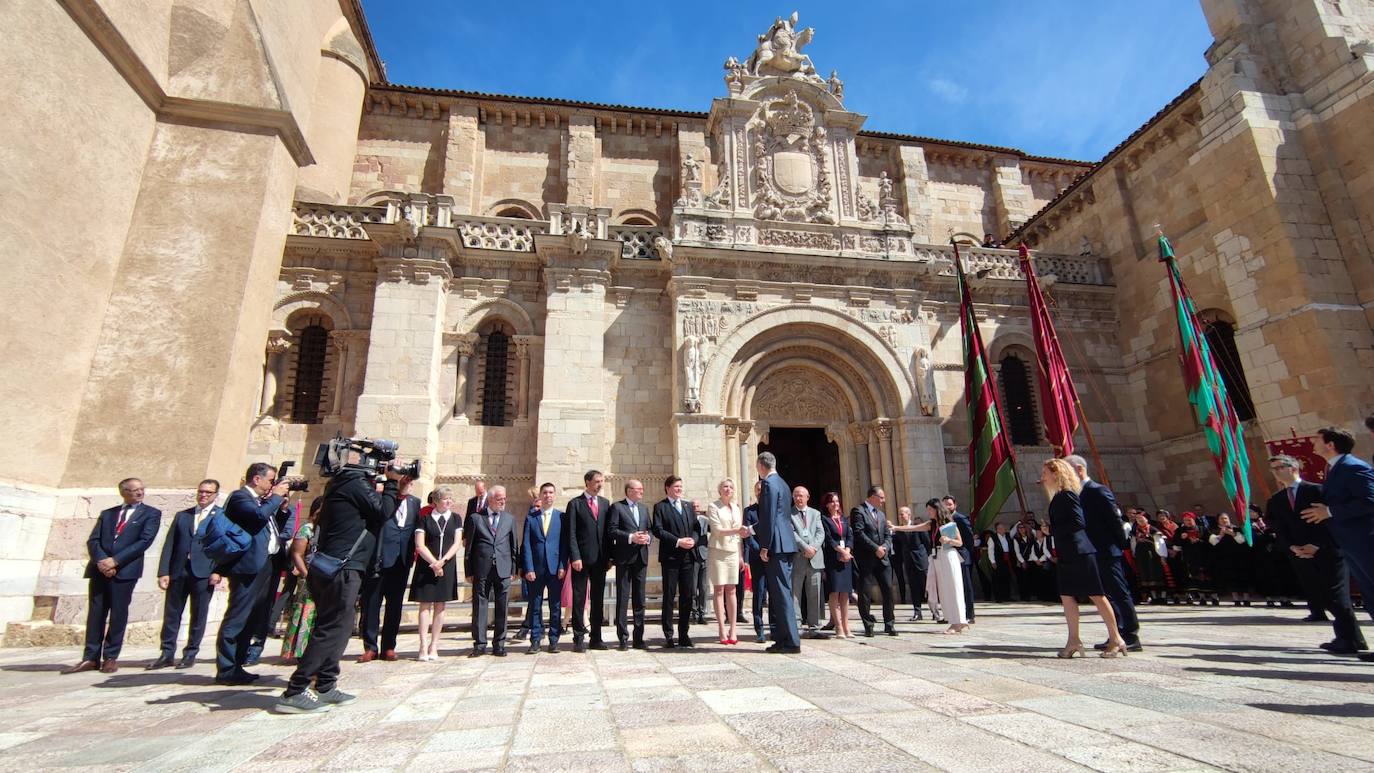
(732, 641)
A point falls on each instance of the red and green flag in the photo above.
(1059, 398)
(1207, 394)
(991, 460)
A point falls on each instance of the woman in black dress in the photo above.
(435, 581)
(1232, 559)
(1077, 570)
(839, 562)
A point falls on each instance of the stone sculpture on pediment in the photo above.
(836, 85)
(798, 394)
(779, 52)
(790, 163)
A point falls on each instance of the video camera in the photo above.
(375, 457)
(293, 484)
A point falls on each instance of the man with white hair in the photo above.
(488, 561)
(1108, 533)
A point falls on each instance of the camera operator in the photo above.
(352, 515)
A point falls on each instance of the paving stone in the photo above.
(752, 699)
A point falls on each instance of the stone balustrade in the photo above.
(637, 240)
(334, 221)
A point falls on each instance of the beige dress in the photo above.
(724, 543)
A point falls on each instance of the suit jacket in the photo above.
(751, 544)
(870, 532)
(396, 544)
(774, 531)
(588, 538)
(252, 516)
(723, 533)
(835, 538)
(128, 546)
(484, 549)
(1289, 527)
(913, 549)
(622, 525)
(1106, 529)
(182, 551)
(543, 554)
(669, 526)
(965, 527)
(1349, 495)
(471, 507)
(809, 533)
(1067, 526)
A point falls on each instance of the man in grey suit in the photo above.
(488, 560)
(808, 568)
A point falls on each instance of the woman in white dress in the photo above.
(946, 572)
(727, 527)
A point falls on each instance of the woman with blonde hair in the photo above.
(435, 582)
(1077, 570)
(727, 527)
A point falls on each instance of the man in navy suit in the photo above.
(679, 532)
(544, 559)
(121, 536)
(387, 578)
(488, 561)
(873, 560)
(777, 548)
(965, 527)
(184, 573)
(586, 518)
(1107, 531)
(630, 541)
(250, 573)
(1347, 506)
(757, 572)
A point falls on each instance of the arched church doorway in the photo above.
(806, 457)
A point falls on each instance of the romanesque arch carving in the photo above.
(800, 394)
(859, 397)
(311, 300)
(514, 208)
(501, 308)
(820, 328)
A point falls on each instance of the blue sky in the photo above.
(1066, 78)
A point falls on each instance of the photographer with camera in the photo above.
(252, 509)
(350, 518)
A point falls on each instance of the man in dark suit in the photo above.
(544, 564)
(1347, 507)
(488, 560)
(587, 516)
(777, 548)
(184, 573)
(913, 558)
(121, 536)
(630, 540)
(965, 527)
(756, 569)
(479, 499)
(282, 583)
(1107, 532)
(873, 559)
(250, 573)
(1316, 558)
(387, 579)
(679, 533)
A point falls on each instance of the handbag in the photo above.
(328, 566)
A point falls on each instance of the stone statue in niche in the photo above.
(925, 382)
(779, 52)
(887, 200)
(691, 182)
(691, 169)
(692, 368)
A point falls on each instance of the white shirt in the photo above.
(274, 537)
(199, 517)
(401, 512)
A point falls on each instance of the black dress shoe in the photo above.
(477, 652)
(599, 645)
(1100, 646)
(830, 626)
(533, 649)
(163, 661)
(669, 644)
(686, 642)
(245, 675)
(1316, 619)
(778, 649)
(553, 647)
(890, 631)
(520, 634)
(579, 646)
(868, 631)
(233, 680)
(640, 645)
(1367, 657)
(499, 652)
(186, 661)
(623, 646)
(1340, 648)
(1133, 645)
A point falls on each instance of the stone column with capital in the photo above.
(274, 371)
(523, 346)
(882, 435)
(466, 345)
(400, 399)
(862, 468)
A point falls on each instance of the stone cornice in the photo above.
(92, 20)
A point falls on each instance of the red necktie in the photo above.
(596, 509)
(839, 526)
(123, 521)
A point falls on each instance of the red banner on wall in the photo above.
(1304, 449)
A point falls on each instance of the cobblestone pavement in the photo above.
(1237, 689)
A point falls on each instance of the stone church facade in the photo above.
(520, 289)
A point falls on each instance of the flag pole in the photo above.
(997, 402)
(1092, 444)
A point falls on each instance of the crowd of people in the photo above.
(366, 546)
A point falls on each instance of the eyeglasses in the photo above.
(204, 491)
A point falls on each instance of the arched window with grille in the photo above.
(1221, 339)
(1018, 401)
(496, 385)
(308, 384)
